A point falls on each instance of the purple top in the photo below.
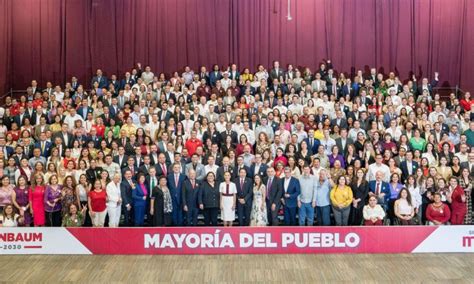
(50, 195)
(394, 191)
(143, 187)
(339, 157)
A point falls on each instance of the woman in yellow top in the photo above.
(318, 133)
(246, 75)
(129, 127)
(341, 199)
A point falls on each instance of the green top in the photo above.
(418, 143)
(68, 221)
(470, 137)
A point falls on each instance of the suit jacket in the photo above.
(293, 190)
(276, 191)
(143, 169)
(339, 145)
(220, 173)
(126, 192)
(200, 171)
(70, 138)
(124, 162)
(262, 171)
(384, 188)
(244, 190)
(137, 196)
(81, 110)
(167, 115)
(404, 168)
(47, 148)
(190, 196)
(433, 84)
(232, 134)
(236, 171)
(218, 159)
(103, 82)
(125, 81)
(274, 74)
(314, 148)
(159, 169)
(38, 130)
(19, 120)
(214, 77)
(176, 191)
(342, 123)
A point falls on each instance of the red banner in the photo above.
(247, 240)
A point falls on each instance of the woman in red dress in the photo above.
(457, 198)
(36, 196)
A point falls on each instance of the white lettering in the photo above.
(227, 241)
(152, 240)
(286, 239)
(245, 240)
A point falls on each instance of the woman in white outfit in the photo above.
(114, 201)
(228, 192)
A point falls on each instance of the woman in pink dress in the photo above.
(36, 196)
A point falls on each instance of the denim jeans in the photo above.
(323, 215)
(306, 213)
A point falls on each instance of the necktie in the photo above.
(152, 182)
(269, 186)
(192, 183)
(176, 179)
(42, 147)
(377, 189)
(225, 169)
(242, 184)
(163, 169)
(133, 172)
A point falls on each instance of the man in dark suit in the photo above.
(343, 141)
(175, 185)
(146, 166)
(164, 114)
(190, 198)
(276, 72)
(130, 167)
(66, 137)
(258, 168)
(380, 189)
(102, 80)
(18, 119)
(126, 187)
(426, 86)
(161, 167)
(229, 132)
(273, 196)
(339, 120)
(291, 190)
(408, 166)
(312, 142)
(84, 109)
(7, 150)
(44, 145)
(224, 168)
(244, 197)
(469, 164)
(127, 80)
(121, 159)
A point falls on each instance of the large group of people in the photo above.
(280, 146)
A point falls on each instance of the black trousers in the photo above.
(243, 213)
(128, 217)
(53, 219)
(272, 216)
(210, 216)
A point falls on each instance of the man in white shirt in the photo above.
(378, 166)
(114, 200)
(72, 118)
(249, 133)
(211, 166)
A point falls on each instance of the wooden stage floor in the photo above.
(426, 268)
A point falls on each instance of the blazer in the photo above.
(342, 123)
(124, 161)
(276, 191)
(339, 145)
(176, 191)
(314, 148)
(404, 168)
(384, 188)
(47, 148)
(103, 82)
(190, 196)
(137, 196)
(220, 173)
(244, 190)
(262, 171)
(209, 196)
(293, 190)
(200, 171)
(126, 192)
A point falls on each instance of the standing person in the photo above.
(52, 202)
(291, 191)
(82, 191)
(6, 192)
(36, 199)
(190, 198)
(360, 190)
(161, 204)
(139, 195)
(175, 184)
(259, 207)
(209, 199)
(457, 198)
(114, 201)
(466, 181)
(244, 197)
(323, 201)
(307, 197)
(20, 199)
(228, 193)
(126, 188)
(341, 199)
(97, 204)
(273, 196)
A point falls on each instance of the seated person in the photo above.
(9, 218)
(373, 213)
(437, 213)
(404, 209)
